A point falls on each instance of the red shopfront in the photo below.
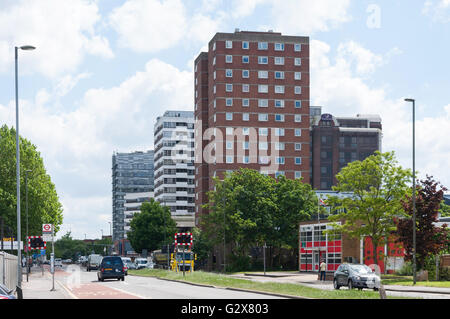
(316, 245)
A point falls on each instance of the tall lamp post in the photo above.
(414, 185)
(19, 253)
(26, 201)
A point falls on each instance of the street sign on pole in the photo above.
(47, 228)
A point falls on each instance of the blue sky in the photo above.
(105, 69)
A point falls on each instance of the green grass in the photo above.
(408, 281)
(220, 280)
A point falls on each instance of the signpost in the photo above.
(47, 231)
(183, 239)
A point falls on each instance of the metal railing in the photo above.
(8, 270)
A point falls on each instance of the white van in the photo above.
(94, 262)
(141, 263)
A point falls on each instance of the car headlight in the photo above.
(358, 278)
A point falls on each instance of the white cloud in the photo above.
(297, 16)
(63, 32)
(439, 10)
(149, 25)
(342, 90)
(79, 144)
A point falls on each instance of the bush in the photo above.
(406, 270)
(239, 263)
(444, 274)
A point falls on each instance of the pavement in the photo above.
(40, 286)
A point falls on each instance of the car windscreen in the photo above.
(142, 261)
(361, 269)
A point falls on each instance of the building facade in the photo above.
(337, 141)
(251, 108)
(132, 173)
(174, 166)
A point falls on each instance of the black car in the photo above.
(356, 276)
(111, 267)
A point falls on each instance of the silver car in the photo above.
(356, 276)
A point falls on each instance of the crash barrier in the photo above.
(8, 270)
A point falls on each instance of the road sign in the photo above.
(183, 239)
(47, 228)
(36, 242)
(47, 238)
(7, 246)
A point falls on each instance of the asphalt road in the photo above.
(81, 284)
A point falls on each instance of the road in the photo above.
(81, 284)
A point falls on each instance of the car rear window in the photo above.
(112, 261)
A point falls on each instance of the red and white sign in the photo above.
(47, 228)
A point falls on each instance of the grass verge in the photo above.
(220, 280)
(408, 281)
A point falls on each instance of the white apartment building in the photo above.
(132, 206)
(174, 166)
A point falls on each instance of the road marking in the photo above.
(129, 293)
(67, 290)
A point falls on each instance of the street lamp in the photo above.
(414, 185)
(19, 254)
(26, 201)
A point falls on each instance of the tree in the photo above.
(152, 228)
(67, 247)
(377, 186)
(252, 209)
(43, 202)
(444, 209)
(430, 239)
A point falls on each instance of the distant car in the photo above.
(141, 263)
(58, 262)
(94, 262)
(356, 276)
(111, 267)
(6, 293)
(67, 261)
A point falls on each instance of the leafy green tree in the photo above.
(444, 210)
(250, 209)
(377, 186)
(68, 248)
(152, 228)
(43, 202)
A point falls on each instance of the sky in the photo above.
(104, 70)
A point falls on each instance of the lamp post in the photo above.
(414, 185)
(26, 201)
(19, 253)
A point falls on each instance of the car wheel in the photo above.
(335, 284)
(118, 278)
(350, 284)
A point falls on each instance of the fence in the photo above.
(8, 270)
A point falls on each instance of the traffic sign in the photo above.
(36, 242)
(47, 228)
(183, 239)
(47, 238)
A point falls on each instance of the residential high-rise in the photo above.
(251, 107)
(174, 165)
(132, 173)
(337, 141)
